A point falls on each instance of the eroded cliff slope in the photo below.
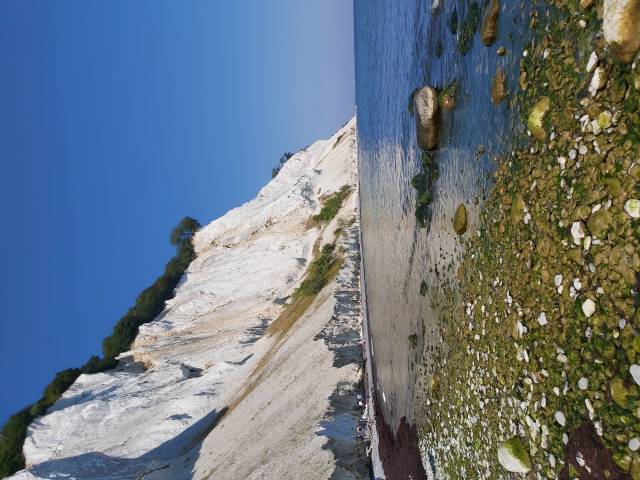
(219, 386)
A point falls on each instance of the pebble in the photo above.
(542, 319)
(558, 280)
(632, 207)
(583, 383)
(593, 61)
(560, 418)
(634, 370)
(588, 307)
(577, 232)
(598, 81)
(562, 161)
(634, 444)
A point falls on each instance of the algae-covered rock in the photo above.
(428, 119)
(517, 209)
(621, 24)
(599, 223)
(448, 97)
(513, 456)
(489, 29)
(536, 118)
(498, 91)
(460, 219)
(621, 394)
(635, 470)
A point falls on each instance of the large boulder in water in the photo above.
(428, 119)
(621, 25)
(489, 30)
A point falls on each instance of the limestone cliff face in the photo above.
(206, 391)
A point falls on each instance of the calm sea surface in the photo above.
(396, 45)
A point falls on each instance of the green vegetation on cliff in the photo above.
(332, 204)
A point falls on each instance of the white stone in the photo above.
(577, 232)
(634, 444)
(634, 370)
(557, 280)
(598, 81)
(560, 418)
(583, 383)
(542, 319)
(590, 408)
(562, 161)
(632, 207)
(588, 307)
(593, 61)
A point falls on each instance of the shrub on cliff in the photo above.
(12, 437)
(283, 159)
(150, 302)
(148, 305)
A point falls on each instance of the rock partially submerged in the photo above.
(621, 25)
(428, 118)
(536, 118)
(460, 219)
(498, 91)
(514, 457)
(489, 30)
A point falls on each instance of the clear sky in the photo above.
(119, 117)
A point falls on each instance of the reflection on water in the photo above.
(396, 51)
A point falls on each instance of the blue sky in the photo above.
(119, 117)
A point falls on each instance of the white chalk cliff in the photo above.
(205, 392)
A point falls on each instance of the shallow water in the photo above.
(396, 45)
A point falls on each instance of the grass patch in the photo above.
(321, 271)
(332, 205)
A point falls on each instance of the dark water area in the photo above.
(397, 50)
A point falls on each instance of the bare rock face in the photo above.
(621, 25)
(489, 31)
(428, 118)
